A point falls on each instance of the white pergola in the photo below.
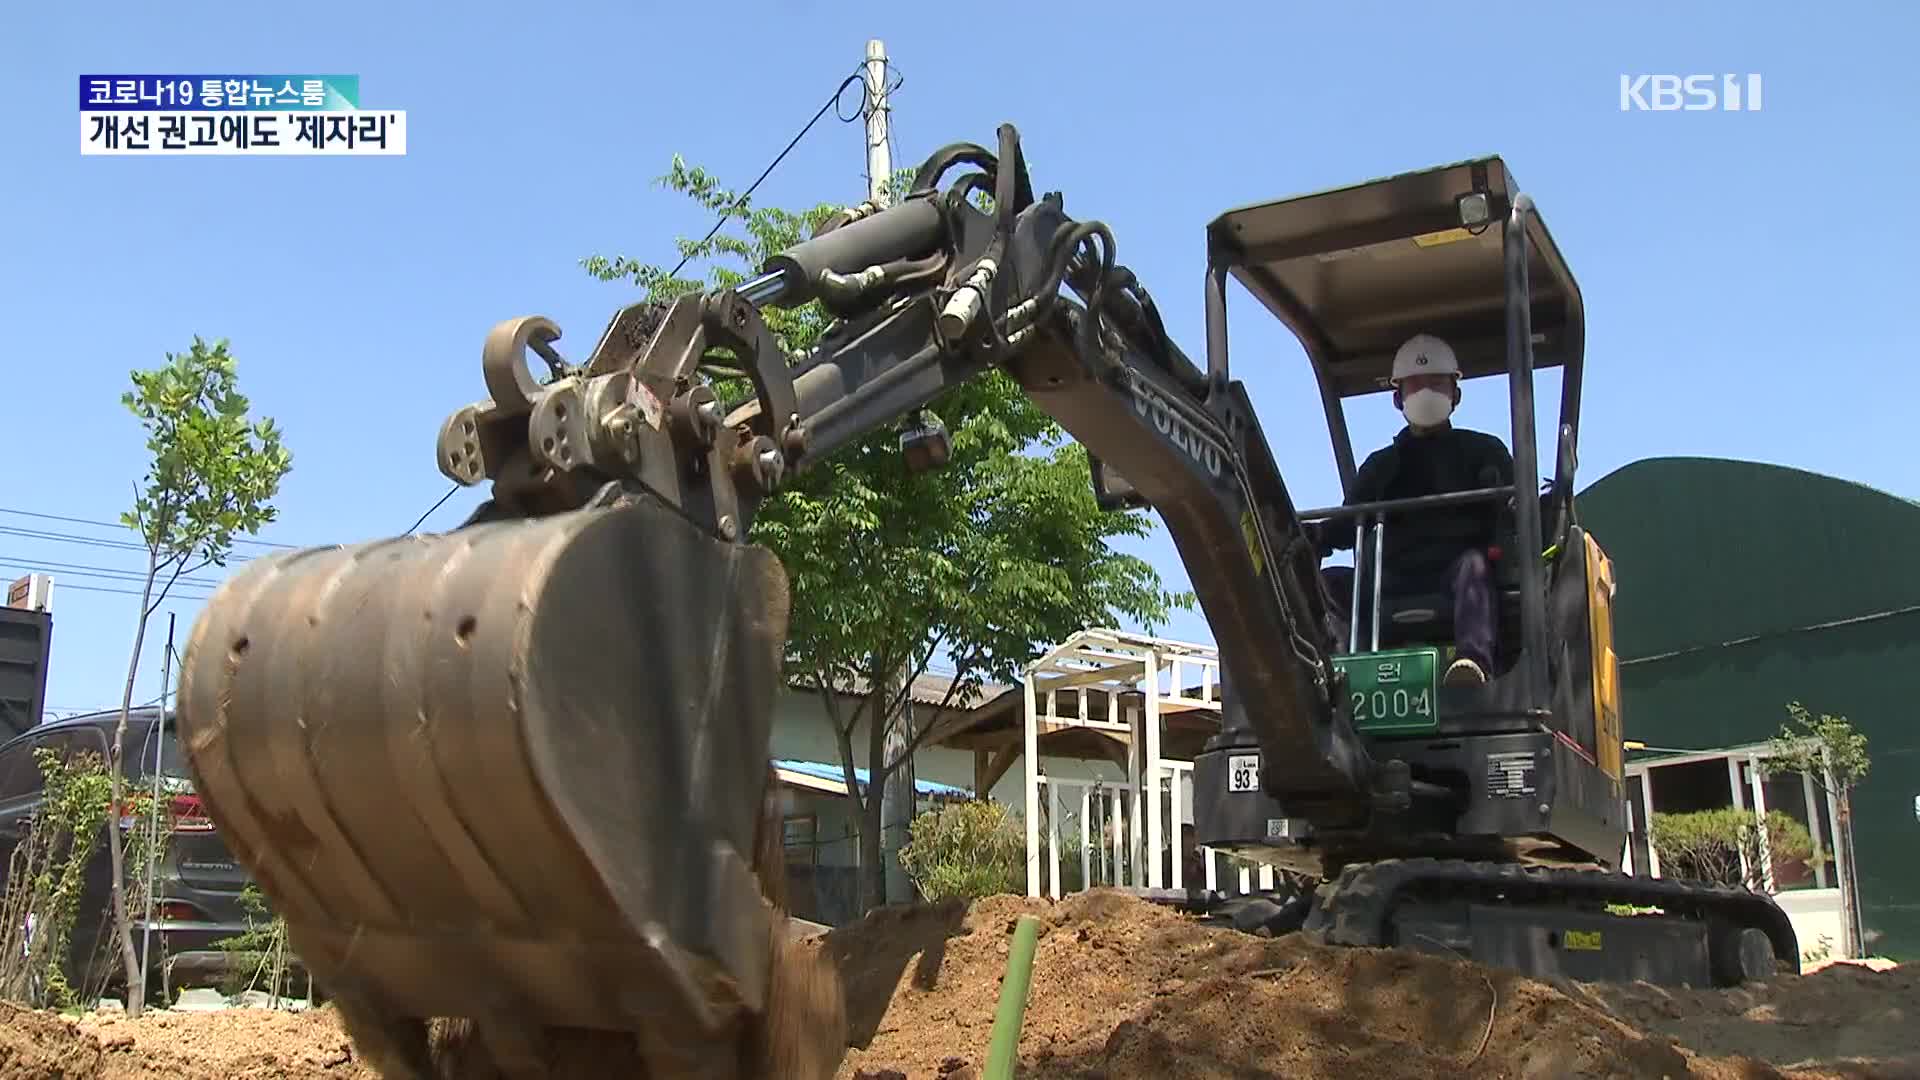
(1142, 679)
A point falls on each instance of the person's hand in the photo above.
(1320, 536)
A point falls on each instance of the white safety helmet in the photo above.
(1424, 354)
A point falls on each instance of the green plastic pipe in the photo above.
(1013, 1000)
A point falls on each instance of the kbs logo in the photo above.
(1150, 405)
(1689, 93)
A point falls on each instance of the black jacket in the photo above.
(1421, 544)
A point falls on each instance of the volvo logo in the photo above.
(1150, 405)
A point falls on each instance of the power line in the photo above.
(173, 594)
(107, 573)
(171, 597)
(120, 525)
(1831, 624)
(859, 76)
(423, 517)
(90, 541)
(69, 538)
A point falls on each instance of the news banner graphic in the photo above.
(235, 114)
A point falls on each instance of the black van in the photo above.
(197, 881)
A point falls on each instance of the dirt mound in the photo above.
(1840, 1014)
(42, 1046)
(1122, 988)
(254, 1044)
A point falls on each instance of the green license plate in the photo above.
(1392, 691)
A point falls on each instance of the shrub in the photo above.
(261, 953)
(968, 850)
(46, 876)
(1071, 845)
(1707, 845)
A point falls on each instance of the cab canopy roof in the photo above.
(1355, 271)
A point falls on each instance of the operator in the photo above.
(1435, 550)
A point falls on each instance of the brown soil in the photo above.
(1841, 1013)
(240, 1044)
(1123, 989)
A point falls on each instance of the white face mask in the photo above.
(1427, 408)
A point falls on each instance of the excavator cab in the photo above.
(1487, 820)
(1460, 253)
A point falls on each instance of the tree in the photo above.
(983, 562)
(211, 478)
(1828, 750)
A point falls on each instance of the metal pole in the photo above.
(896, 792)
(1150, 732)
(159, 735)
(879, 158)
(1379, 573)
(1030, 749)
(1526, 471)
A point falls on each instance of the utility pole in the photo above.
(879, 159)
(897, 792)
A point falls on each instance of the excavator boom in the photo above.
(514, 773)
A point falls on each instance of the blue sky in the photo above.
(1743, 272)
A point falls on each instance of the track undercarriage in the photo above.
(1584, 924)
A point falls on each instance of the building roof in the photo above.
(1743, 587)
(1711, 552)
(824, 777)
(929, 688)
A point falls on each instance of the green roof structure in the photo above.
(1744, 586)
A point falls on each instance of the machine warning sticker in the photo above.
(1250, 532)
(1510, 775)
(1243, 772)
(1279, 828)
(1444, 236)
(1583, 940)
(642, 397)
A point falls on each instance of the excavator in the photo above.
(509, 785)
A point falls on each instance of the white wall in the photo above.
(1816, 914)
(833, 826)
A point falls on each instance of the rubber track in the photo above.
(1358, 908)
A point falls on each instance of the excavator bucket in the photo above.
(511, 774)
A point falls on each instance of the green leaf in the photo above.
(992, 559)
(212, 472)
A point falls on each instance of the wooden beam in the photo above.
(1088, 656)
(1115, 673)
(990, 769)
(950, 723)
(1004, 737)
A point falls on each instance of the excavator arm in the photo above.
(515, 773)
(930, 294)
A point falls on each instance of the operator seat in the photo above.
(1425, 617)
